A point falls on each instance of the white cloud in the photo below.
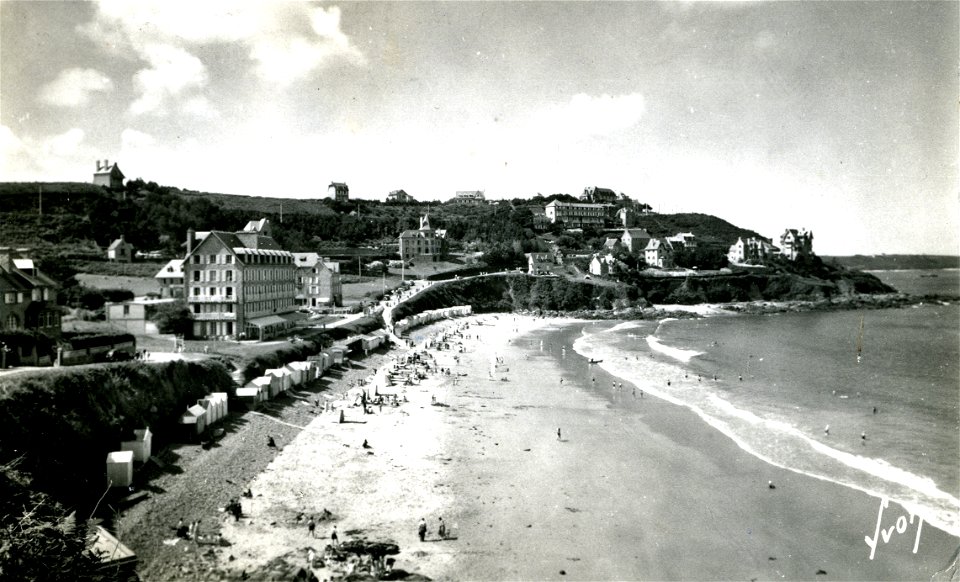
(286, 40)
(66, 144)
(172, 72)
(65, 156)
(73, 87)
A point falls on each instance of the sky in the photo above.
(837, 117)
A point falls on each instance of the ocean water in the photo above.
(776, 383)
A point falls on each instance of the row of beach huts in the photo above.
(425, 317)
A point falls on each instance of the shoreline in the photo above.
(489, 461)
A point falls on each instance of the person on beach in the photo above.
(558, 434)
(442, 530)
(634, 391)
(422, 529)
(334, 539)
(826, 430)
(311, 526)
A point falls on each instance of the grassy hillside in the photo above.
(709, 229)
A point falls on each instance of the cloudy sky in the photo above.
(840, 117)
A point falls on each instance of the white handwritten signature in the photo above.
(886, 534)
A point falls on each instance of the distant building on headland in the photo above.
(542, 264)
(658, 253)
(399, 196)
(468, 197)
(751, 250)
(598, 195)
(170, 278)
(794, 243)
(576, 214)
(339, 191)
(635, 239)
(108, 175)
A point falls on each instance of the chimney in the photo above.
(106, 164)
(98, 165)
(191, 235)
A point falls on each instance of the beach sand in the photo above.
(636, 488)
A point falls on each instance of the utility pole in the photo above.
(41, 199)
(281, 212)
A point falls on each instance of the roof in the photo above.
(109, 170)
(172, 269)
(636, 232)
(338, 185)
(116, 244)
(656, 243)
(266, 320)
(257, 225)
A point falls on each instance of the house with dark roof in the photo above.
(28, 297)
(239, 283)
(339, 191)
(794, 243)
(399, 197)
(108, 175)
(468, 197)
(658, 253)
(424, 243)
(598, 195)
(170, 278)
(635, 239)
(318, 281)
(120, 251)
(541, 264)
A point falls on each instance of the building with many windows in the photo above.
(239, 283)
(598, 195)
(318, 281)
(795, 243)
(468, 197)
(576, 214)
(658, 253)
(425, 243)
(339, 191)
(751, 250)
(28, 298)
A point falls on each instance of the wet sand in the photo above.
(634, 489)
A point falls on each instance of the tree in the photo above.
(173, 318)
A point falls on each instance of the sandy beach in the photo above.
(633, 488)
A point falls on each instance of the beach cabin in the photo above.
(140, 445)
(307, 370)
(210, 409)
(249, 396)
(222, 407)
(337, 353)
(194, 421)
(296, 374)
(120, 468)
(263, 385)
(283, 383)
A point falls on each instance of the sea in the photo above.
(790, 389)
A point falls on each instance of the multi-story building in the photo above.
(795, 243)
(576, 214)
(598, 195)
(635, 239)
(658, 253)
(468, 197)
(339, 191)
(399, 197)
(170, 278)
(108, 175)
(752, 250)
(685, 240)
(28, 298)
(425, 243)
(239, 283)
(318, 281)
(540, 220)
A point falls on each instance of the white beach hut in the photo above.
(194, 420)
(120, 468)
(140, 445)
(249, 396)
(283, 382)
(296, 374)
(210, 408)
(222, 407)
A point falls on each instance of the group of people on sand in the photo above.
(422, 530)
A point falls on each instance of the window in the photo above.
(213, 291)
(196, 275)
(196, 292)
(213, 259)
(229, 308)
(196, 308)
(36, 294)
(229, 291)
(229, 328)
(46, 294)
(13, 322)
(213, 276)
(229, 274)
(126, 310)
(228, 259)
(196, 259)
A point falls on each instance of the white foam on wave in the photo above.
(916, 493)
(624, 325)
(675, 353)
